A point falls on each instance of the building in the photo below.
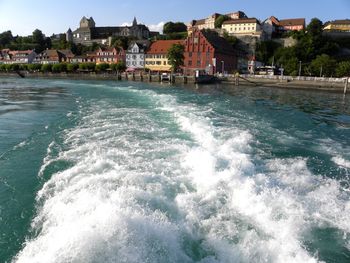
(270, 27)
(209, 22)
(110, 55)
(135, 56)
(53, 56)
(88, 33)
(21, 57)
(295, 24)
(243, 27)
(337, 26)
(156, 56)
(207, 51)
(5, 56)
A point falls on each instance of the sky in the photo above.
(22, 17)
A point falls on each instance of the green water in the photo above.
(128, 172)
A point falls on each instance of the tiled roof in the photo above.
(340, 22)
(292, 22)
(241, 21)
(162, 46)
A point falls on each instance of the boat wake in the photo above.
(163, 183)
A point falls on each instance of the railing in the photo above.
(290, 78)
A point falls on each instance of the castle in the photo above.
(88, 33)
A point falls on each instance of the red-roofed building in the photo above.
(156, 56)
(207, 51)
(297, 24)
(110, 55)
(21, 57)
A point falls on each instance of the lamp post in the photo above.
(299, 68)
(222, 66)
(321, 69)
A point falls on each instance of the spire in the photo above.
(134, 23)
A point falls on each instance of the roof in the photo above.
(292, 22)
(340, 22)
(241, 21)
(66, 52)
(162, 46)
(219, 43)
(49, 53)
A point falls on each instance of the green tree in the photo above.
(220, 20)
(39, 40)
(171, 27)
(46, 68)
(286, 58)
(343, 69)
(101, 67)
(265, 50)
(5, 39)
(315, 27)
(324, 65)
(176, 56)
(72, 67)
(231, 39)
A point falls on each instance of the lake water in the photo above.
(103, 171)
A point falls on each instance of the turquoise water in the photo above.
(131, 172)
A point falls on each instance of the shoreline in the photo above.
(315, 85)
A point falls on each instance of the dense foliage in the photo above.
(314, 53)
(171, 27)
(176, 56)
(64, 67)
(220, 20)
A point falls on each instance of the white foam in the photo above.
(141, 191)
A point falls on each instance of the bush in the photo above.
(87, 66)
(46, 68)
(343, 69)
(34, 67)
(2, 67)
(61, 67)
(72, 67)
(102, 67)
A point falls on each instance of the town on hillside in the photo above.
(217, 44)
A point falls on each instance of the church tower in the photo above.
(69, 35)
(134, 23)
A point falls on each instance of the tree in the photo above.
(231, 39)
(324, 65)
(176, 56)
(38, 39)
(72, 67)
(220, 20)
(171, 27)
(46, 68)
(315, 27)
(5, 39)
(101, 67)
(343, 69)
(265, 50)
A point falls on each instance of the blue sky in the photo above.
(24, 16)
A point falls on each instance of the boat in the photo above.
(165, 77)
(204, 78)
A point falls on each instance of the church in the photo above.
(88, 33)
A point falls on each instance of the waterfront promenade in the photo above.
(308, 83)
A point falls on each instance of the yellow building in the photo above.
(338, 25)
(240, 27)
(156, 56)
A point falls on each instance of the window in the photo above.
(198, 54)
(190, 54)
(190, 62)
(164, 63)
(198, 63)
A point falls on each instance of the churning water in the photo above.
(127, 172)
